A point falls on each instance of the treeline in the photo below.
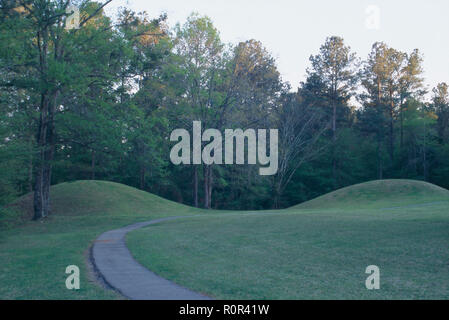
(100, 102)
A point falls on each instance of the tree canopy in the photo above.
(100, 101)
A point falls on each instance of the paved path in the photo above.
(116, 265)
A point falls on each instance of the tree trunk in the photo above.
(50, 150)
(425, 167)
(195, 186)
(334, 141)
(142, 166)
(402, 123)
(46, 140)
(210, 183)
(276, 196)
(379, 160)
(379, 135)
(391, 138)
(142, 176)
(92, 166)
(30, 166)
(46, 144)
(40, 210)
(206, 187)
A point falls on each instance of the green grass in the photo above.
(379, 194)
(317, 250)
(34, 255)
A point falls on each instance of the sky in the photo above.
(292, 30)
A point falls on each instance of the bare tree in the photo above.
(300, 127)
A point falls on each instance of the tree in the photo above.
(393, 67)
(301, 127)
(335, 66)
(99, 102)
(374, 76)
(146, 124)
(410, 83)
(439, 170)
(391, 77)
(50, 52)
(440, 103)
(202, 63)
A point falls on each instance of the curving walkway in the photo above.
(118, 268)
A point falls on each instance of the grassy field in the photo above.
(34, 255)
(317, 250)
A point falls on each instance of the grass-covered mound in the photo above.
(305, 253)
(97, 198)
(302, 252)
(379, 194)
(34, 255)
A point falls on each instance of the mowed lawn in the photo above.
(318, 250)
(34, 255)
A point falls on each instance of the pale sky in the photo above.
(292, 30)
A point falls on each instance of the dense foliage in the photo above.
(100, 102)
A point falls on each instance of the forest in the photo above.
(100, 101)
